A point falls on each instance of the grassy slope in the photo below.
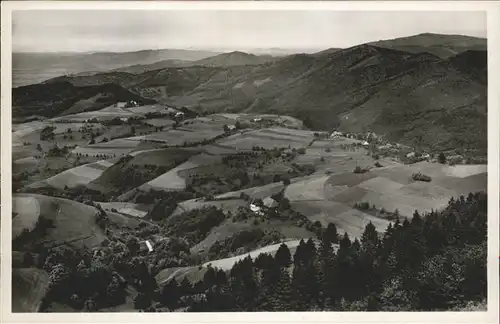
(119, 176)
(29, 286)
(63, 97)
(73, 223)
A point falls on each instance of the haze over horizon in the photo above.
(126, 31)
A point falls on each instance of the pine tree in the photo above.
(331, 232)
(283, 256)
(268, 282)
(310, 250)
(170, 294)
(369, 238)
(326, 271)
(209, 278)
(186, 287)
(343, 272)
(299, 257)
(283, 292)
(305, 281)
(243, 285)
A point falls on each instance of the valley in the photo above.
(146, 184)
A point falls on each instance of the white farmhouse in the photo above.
(254, 208)
(150, 246)
(231, 127)
(336, 134)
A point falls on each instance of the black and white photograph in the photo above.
(249, 161)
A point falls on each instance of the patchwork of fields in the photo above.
(312, 180)
(71, 178)
(268, 139)
(72, 223)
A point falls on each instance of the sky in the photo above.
(118, 31)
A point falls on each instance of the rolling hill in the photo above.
(235, 58)
(393, 92)
(444, 46)
(31, 68)
(59, 98)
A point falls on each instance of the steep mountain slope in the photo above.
(408, 97)
(443, 46)
(472, 62)
(58, 98)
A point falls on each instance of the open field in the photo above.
(113, 111)
(73, 223)
(29, 286)
(114, 148)
(175, 137)
(159, 122)
(255, 192)
(230, 205)
(194, 274)
(223, 231)
(282, 119)
(171, 180)
(130, 209)
(81, 175)
(308, 189)
(393, 188)
(161, 156)
(227, 263)
(345, 217)
(28, 211)
(268, 139)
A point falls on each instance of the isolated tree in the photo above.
(442, 158)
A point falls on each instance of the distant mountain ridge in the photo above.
(32, 68)
(415, 97)
(443, 46)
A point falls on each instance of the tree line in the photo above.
(432, 262)
(435, 261)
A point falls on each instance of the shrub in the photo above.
(358, 169)
(442, 158)
(421, 177)
(363, 205)
(378, 165)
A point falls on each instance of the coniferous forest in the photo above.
(435, 261)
